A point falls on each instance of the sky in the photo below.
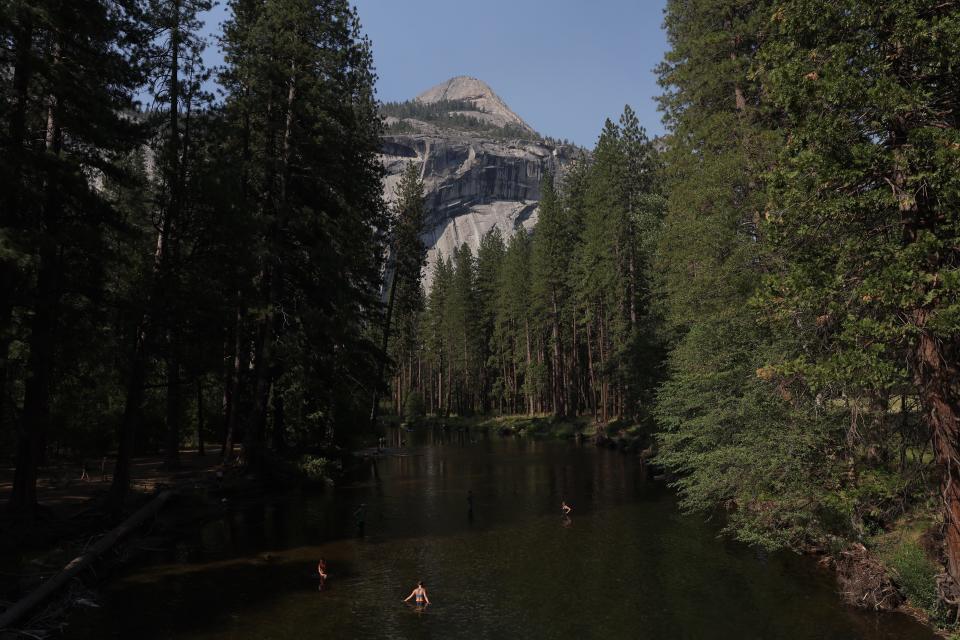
(564, 66)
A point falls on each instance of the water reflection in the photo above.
(623, 564)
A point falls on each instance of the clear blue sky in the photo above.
(562, 65)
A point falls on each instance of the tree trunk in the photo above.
(590, 368)
(936, 375)
(200, 446)
(36, 405)
(559, 407)
(279, 440)
(11, 202)
(174, 407)
(254, 440)
(76, 566)
(934, 359)
(136, 377)
(272, 278)
(604, 387)
(384, 344)
(233, 384)
(526, 377)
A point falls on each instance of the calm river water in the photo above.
(627, 564)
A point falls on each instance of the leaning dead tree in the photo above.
(78, 564)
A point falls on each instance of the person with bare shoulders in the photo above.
(565, 508)
(322, 572)
(419, 595)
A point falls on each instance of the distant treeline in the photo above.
(443, 114)
(556, 322)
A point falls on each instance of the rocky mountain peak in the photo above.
(489, 106)
(481, 164)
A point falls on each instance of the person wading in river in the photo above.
(565, 508)
(419, 595)
(360, 517)
(322, 571)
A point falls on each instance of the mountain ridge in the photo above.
(481, 164)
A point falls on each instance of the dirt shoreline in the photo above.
(69, 521)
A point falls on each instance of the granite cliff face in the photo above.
(475, 179)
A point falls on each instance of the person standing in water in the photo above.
(360, 516)
(565, 508)
(322, 571)
(419, 595)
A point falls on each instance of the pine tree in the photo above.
(490, 256)
(514, 321)
(405, 296)
(728, 430)
(301, 98)
(552, 251)
(436, 340)
(596, 275)
(461, 313)
(863, 211)
(74, 71)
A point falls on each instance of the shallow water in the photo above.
(627, 564)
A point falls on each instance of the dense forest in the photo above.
(171, 261)
(768, 293)
(558, 322)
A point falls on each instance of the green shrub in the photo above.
(564, 430)
(916, 575)
(314, 468)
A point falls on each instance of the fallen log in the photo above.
(81, 562)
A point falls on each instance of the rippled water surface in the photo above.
(627, 564)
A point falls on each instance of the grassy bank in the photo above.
(909, 552)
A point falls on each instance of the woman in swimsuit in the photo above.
(419, 594)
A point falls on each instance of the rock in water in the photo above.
(480, 162)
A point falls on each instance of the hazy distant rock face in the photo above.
(472, 183)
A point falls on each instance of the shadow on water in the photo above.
(625, 564)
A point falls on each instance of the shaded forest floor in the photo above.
(63, 494)
(69, 507)
(70, 519)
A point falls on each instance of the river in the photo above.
(626, 564)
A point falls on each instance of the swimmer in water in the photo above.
(565, 508)
(419, 594)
